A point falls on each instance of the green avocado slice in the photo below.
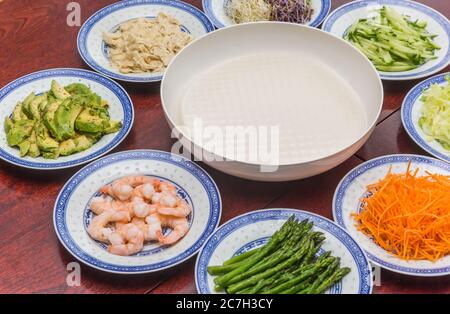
(20, 131)
(65, 117)
(49, 116)
(89, 122)
(18, 114)
(59, 91)
(24, 147)
(46, 143)
(8, 125)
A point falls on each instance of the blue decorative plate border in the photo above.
(438, 17)
(60, 209)
(123, 96)
(325, 10)
(361, 169)
(203, 258)
(97, 16)
(408, 103)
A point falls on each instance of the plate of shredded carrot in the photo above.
(398, 209)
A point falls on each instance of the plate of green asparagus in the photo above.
(282, 251)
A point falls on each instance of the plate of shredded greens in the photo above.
(405, 40)
(229, 12)
(61, 118)
(426, 115)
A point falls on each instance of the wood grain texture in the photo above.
(389, 137)
(34, 36)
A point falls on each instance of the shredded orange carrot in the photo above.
(408, 215)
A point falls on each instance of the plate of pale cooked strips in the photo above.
(135, 41)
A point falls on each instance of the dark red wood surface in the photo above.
(34, 35)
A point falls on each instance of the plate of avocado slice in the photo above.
(61, 118)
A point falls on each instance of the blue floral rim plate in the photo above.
(346, 15)
(411, 112)
(121, 108)
(255, 228)
(91, 45)
(197, 186)
(214, 9)
(347, 200)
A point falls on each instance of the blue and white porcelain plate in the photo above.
(347, 200)
(72, 214)
(411, 113)
(93, 50)
(215, 9)
(340, 20)
(121, 108)
(253, 229)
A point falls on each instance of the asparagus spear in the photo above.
(296, 270)
(287, 246)
(263, 283)
(220, 270)
(274, 241)
(293, 271)
(245, 291)
(285, 264)
(236, 261)
(338, 275)
(276, 258)
(232, 263)
(309, 271)
(241, 257)
(326, 274)
(298, 287)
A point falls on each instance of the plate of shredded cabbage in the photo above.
(229, 12)
(404, 40)
(426, 115)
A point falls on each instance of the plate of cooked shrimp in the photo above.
(137, 211)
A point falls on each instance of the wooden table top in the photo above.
(34, 36)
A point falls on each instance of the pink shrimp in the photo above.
(123, 188)
(101, 204)
(179, 226)
(168, 188)
(181, 209)
(98, 229)
(142, 209)
(127, 240)
(149, 232)
(144, 191)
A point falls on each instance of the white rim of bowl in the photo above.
(179, 131)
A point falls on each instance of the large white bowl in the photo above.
(248, 39)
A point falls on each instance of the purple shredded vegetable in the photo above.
(292, 11)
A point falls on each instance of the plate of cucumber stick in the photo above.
(405, 40)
